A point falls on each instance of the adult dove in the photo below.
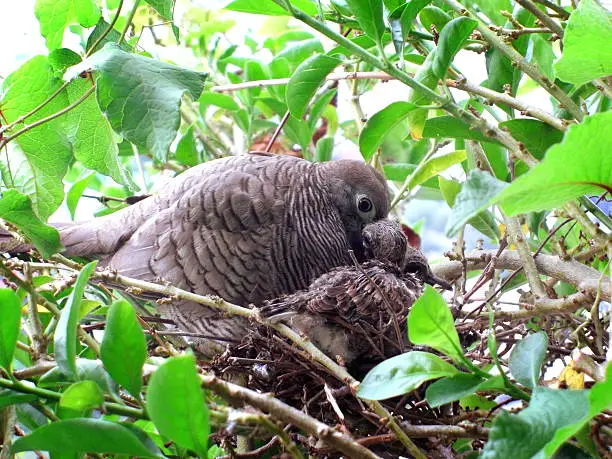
(246, 228)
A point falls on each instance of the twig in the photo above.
(556, 8)
(504, 98)
(544, 18)
(277, 131)
(107, 31)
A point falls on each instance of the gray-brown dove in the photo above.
(246, 228)
(337, 308)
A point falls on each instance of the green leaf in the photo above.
(112, 36)
(458, 386)
(369, 14)
(165, 8)
(305, 80)
(299, 52)
(325, 147)
(141, 96)
(86, 370)
(270, 8)
(10, 397)
(477, 193)
(434, 16)
(79, 399)
(493, 9)
(430, 323)
(175, 403)
(46, 148)
(65, 338)
(10, 311)
(17, 209)
(434, 166)
(123, 348)
(449, 127)
(541, 54)
(452, 38)
(527, 357)
(299, 132)
(600, 399)
(380, 124)
(72, 436)
(483, 221)
(402, 374)
(409, 14)
(536, 135)
(76, 191)
(586, 54)
(93, 140)
(186, 150)
(524, 435)
(55, 15)
(398, 172)
(565, 175)
(219, 100)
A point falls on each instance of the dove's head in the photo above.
(359, 193)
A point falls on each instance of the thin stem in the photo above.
(107, 31)
(544, 18)
(520, 62)
(556, 8)
(128, 21)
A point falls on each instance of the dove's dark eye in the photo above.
(364, 204)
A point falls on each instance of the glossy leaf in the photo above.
(324, 149)
(141, 96)
(586, 51)
(305, 80)
(477, 193)
(512, 435)
(483, 221)
(435, 165)
(80, 435)
(46, 148)
(124, 350)
(453, 388)
(270, 8)
(380, 124)
(565, 175)
(55, 15)
(220, 100)
(402, 374)
(79, 400)
(434, 16)
(448, 127)
(409, 14)
(175, 403)
(369, 14)
(10, 397)
(65, 338)
(17, 209)
(452, 38)
(10, 311)
(74, 194)
(527, 357)
(430, 323)
(536, 135)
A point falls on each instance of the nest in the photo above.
(273, 364)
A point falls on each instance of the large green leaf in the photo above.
(17, 209)
(141, 96)
(46, 148)
(80, 435)
(453, 388)
(402, 374)
(434, 166)
(430, 323)
(452, 38)
(55, 15)
(587, 53)
(79, 399)
(123, 349)
(477, 193)
(175, 403)
(564, 174)
(449, 127)
(306, 79)
(380, 124)
(10, 310)
(165, 8)
(524, 435)
(65, 338)
(270, 8)
(409, 14)
(369, 14)
(527, 357)
(536, 135)
(93, 140)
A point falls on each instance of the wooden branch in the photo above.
(574, 273)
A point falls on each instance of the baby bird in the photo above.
(344, 310)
